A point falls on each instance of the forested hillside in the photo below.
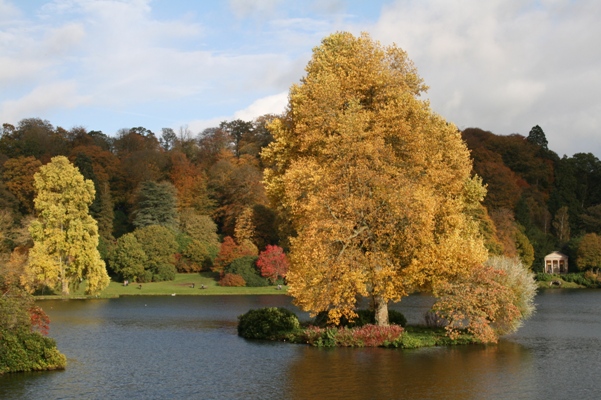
(538, 199)
(168, 200)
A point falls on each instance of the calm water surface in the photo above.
(187, 348)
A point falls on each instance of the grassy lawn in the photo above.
(564, 285)
(181, 286)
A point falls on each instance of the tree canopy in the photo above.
(373, 183)
(65, 235)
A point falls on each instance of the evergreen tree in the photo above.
(537, 136)
(157, 205)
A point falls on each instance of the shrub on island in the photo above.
(271, 323)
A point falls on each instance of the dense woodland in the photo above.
(181, 201)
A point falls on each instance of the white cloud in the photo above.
(502, 65)
(506, 66)
(60, 41)
(252, 8)
(123, 57)
(275, 104)
(199, 125)
(329, 6)
(15, 72)
(41, 100)
(8, 12)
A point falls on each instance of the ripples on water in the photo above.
(187, 347)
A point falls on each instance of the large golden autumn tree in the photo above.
(376, 186)
(65, 236)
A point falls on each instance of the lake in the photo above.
(187, 348)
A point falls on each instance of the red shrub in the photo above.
(374, 335)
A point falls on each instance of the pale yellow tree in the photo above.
(375, 185)
(65, 236)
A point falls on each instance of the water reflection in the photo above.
(187, 347)
(435, 373)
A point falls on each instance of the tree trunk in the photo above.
(65, 287)
(64, 281)
(381, 310)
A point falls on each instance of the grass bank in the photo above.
(415, 337)
(183, 285)
(588, 279)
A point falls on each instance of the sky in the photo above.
(499, 65)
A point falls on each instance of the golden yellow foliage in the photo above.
(65, 236)
(245, 227)
(374, 184)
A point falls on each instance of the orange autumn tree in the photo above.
(229, 251)
(191, 184)
(373, 183)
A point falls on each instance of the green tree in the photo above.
(238, 131)
(203, 246)
(374, 183)
(199, 227)
(128, 258)
(537, 136)
(65, 236)
(245, 267)
(159, 245)
(157, 205)
(591, 219)
(168, 138)
(524, 248)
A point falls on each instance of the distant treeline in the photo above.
(555, 202)
(537, 202)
